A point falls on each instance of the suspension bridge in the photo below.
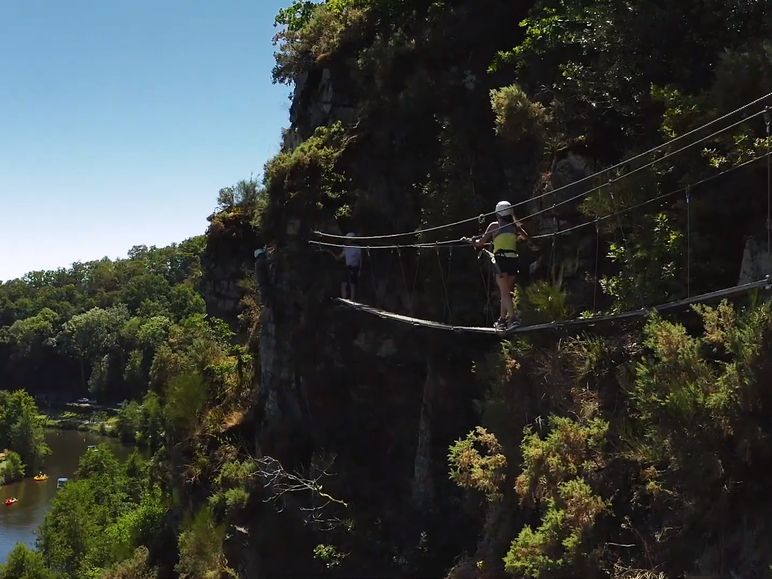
(375, 242)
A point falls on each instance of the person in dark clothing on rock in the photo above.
(262, 275)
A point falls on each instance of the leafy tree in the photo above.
(30, 335)
(102, 516)
(92, 334)
(185, 302)
(12, 469)
(130, 421)
(47, 308)
(150, 287)
(25, 563)
(21, 428)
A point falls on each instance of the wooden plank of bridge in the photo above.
(418, 322)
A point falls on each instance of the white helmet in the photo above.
(503, 208)
(351, 234)
(259, 252)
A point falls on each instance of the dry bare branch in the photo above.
(281, 484)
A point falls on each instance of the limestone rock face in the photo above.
(321, 97)
(223, 293)
(386, 399)
(756, 262)
(227, 257)
(575, 252)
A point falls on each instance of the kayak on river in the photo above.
(9, 502)
(41, 476)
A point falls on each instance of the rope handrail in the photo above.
(446, 243)
(653, 199)
(584, 179)
(460, 243)
(641, 168)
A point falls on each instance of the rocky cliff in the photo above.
(398, 120)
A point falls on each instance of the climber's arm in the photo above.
(486, 237)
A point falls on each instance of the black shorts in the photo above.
(507, 265)
(353, 274)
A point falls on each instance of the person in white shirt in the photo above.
(353, 257)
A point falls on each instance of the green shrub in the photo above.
(137, 567)
(186, 398)
(472, 469)
(302, 182)
(517, 116)
(554, 479)
(547, 300)
(679, 385)
(12, 469)
(311, 30)
(557, 544)
(201, 548)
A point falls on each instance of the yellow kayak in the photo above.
(41, 477)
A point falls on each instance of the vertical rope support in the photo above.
(404, 280)
(446, 307)
(769, 185)
(627, 248)
(487, 290)
(551, 264)
(486, 276)
(387, 278)
(688, 242)
(415, 276)
(597, 261)
(388, 269)
(447, 282)
(372, 275)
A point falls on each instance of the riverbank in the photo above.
(9, 473)
(19, 522)
(82, 417)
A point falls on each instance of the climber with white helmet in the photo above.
(504, 233)
(353, 257)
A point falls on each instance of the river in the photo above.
(19, 522)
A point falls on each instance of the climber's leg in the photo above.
(506, 283)
(509, 267)
(343, 287)
(506, 300)
(353, 281)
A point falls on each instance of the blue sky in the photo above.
(120, 120)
